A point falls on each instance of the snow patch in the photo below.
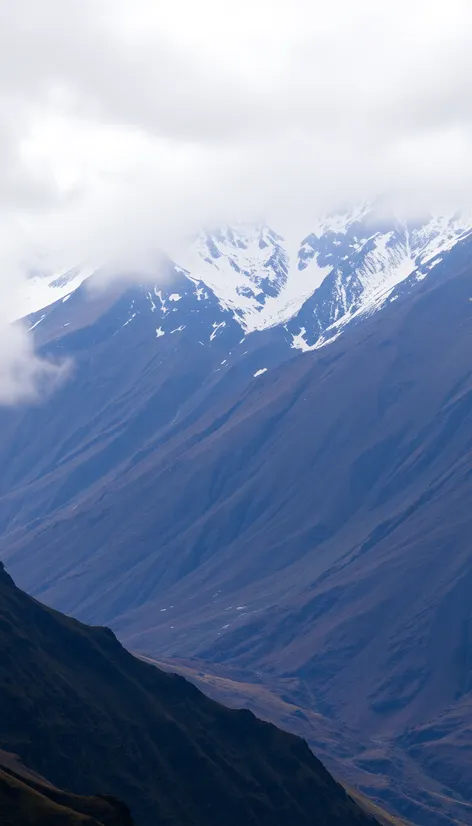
(152, 302)
(37, 322)
(299, 342)
(158, 294)
(217, 327)
(133, 315)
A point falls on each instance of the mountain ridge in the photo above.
(257, 507)
(348, 266)
(26, 800)
(81, 710)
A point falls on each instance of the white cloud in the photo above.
(25, 376)
(127, 123)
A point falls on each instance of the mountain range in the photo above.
(347, 265)
(297, 522)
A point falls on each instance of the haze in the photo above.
(127, 125)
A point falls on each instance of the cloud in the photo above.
(267, 101)
(126, 124)
(343, 90)
(25, 376)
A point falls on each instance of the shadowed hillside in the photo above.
(79, 709)
(25, 801)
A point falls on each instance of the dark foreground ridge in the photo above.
(28, 800)
(78, 708)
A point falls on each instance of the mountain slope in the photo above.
(205, 497)
(78, 708)
(369, 256)
(142, 361)
(146, 357)
(396, 776)
(384, 451)
(150, 354)
(347, 265)
(276, 527)
(26, 800)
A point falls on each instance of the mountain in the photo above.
(80, 709)
(42, 287)
(415, 777)
(212, 493)
(146, 357)
(347, 265)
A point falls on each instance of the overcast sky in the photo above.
(125, 123)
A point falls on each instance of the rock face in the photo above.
(78, 708)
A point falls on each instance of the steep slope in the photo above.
(316, 283)
(147, 359)
(416, 784)
(277, 528)
(82, 711)
(142, 359)
(256, 512)
(345, 267)
(26, 800)
(369, 254)
(242, 497)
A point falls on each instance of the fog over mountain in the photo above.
(126, 127)
(236, 408)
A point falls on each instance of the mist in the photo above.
(127, 126)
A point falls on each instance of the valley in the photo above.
(289, 530)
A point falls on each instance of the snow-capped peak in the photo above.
(254, 273)
(358, 256)
(41, 289)
(346, 266)
(369, 258)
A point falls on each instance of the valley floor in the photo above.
(377, 771)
